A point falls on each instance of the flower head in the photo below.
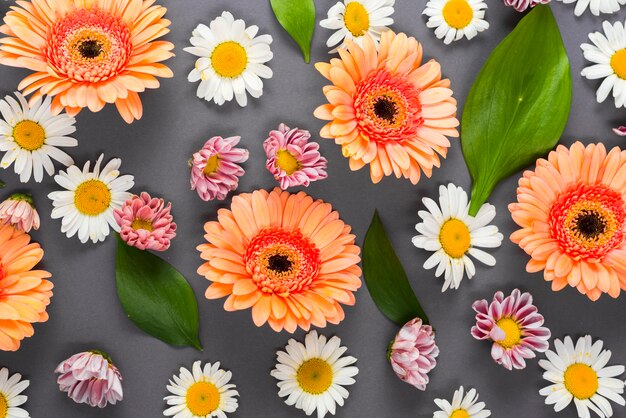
(19, 211)
(523, 5)
(11, 398)
(292, 159)
(595, 6)
(462, 406)
(455, 19)
(621, 131)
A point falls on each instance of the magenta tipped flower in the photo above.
(621, 131)
(90, 378)
(522, 5)
(215, 169)
(514, 326)
(292, 159)
(19, 211)
(413, 352)
(146, 223)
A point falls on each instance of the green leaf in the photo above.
(518, 105)
(2, 184)
(156, 297)
(297, 17)
(386, 279)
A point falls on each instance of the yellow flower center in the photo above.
(29, 135)
(581, 381)
(229, 59)
(4, 406)
(454, 237)
(89, 46)
(315, 376)
(512, 332)
(202, 398)
(590, 223)
(460, 413)
(141, 224)
(287, 162)
(92, 197)
(458, 13)
(212, 165)
(356, 18)
(618, 63)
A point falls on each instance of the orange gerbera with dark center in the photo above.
(288, 257)
(88, 53)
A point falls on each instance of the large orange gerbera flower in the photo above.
(288, 257)
(88, 53)
(24, 293)
(386, 109)
(573, 218)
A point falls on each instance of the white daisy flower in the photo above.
(462, 406)
(580, 373)
(31, 136)
(608, 55)
(312, 375)
(204, 392)
(353, 19)
(86, 205)
(454, 19)
(454, 235)
(596, 6)
(232, 60)
(10, 395)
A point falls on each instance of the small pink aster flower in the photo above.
(20, 212)
(621, 131)
(292, 159)
(522, 5)
(215, 169)
(91, 378)
(413, 352)
(514, 326)
(146, 223)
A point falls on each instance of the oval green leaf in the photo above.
(156, 297)
(518, 105)
(297, 17)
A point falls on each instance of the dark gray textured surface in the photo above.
(85, 312)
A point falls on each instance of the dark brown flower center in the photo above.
(90, 49)
(279, 263)
(385, 109)
(590, 224)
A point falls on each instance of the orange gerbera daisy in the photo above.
(88, 53)
(386, 109)
(288, 257)
(573, 216)
(24, 293)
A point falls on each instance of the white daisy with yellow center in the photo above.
(87, 203)
(454, 235)
(580, 373)
(232, 60)
(596, 6)
(455, 19)
(462, 406)
(203, 392)
(11, 397)
(352, 20)
(31, 136)
(312, 375)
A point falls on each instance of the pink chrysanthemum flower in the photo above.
(292, 159)
(146, 223)
(522, 5)
(514, 326)
(215, 169)
(413, 353)
(19, 211)
(91, 378)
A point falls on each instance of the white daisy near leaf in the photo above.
(232, 60)
(580, 373)
(353, 19)
(462, 406)
(453, 235)
(596, 6)
(454, 19)
(202, 392)
(11, 398)
(86, 205)
(312, 375)
(31, 136)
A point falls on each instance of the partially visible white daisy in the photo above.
(608, 55)
(312, 375)
(86, 205)
(232, 60)
(353, 19)
(10, 395)
(31, 136)
(580, 374)
(596, 6)
(462, 406)
(453, 235)
(204, 392)
(454, 19)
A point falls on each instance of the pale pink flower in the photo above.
(413, 352)
(621, 131)
(146, 223)
(514, 326)
(522, 5)
(215, 169)
(91, 378)
(20, 212)
(292, 159)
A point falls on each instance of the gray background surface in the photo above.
(85, 312)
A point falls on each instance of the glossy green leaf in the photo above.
(386, 279)
(518, 105)
(297, 17)
(156, 297)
